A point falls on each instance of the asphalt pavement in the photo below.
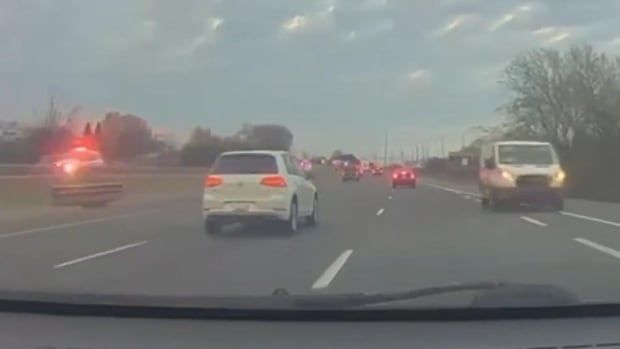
(370, 239)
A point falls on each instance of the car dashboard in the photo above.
(75, 332)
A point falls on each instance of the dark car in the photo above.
(351, 172)
(404, 177)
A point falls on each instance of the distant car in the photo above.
(248, 186)
(377, 171)
(78, 161)
(351, 172)
(404, 177)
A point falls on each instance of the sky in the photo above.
(339, 73)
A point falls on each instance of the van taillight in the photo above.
(213, 181)
(273, 181)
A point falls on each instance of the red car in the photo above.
(404, 177)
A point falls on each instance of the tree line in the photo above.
(127, 138)
(570, 98)
(123, 137)
(204, 146)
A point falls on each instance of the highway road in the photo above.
(370, 239)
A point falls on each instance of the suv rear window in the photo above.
(245, 164)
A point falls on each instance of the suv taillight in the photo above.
(213, 181)
(274, 181)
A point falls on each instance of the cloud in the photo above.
(417, 74)
(295, 23)
(350, 36)
(310, 20)
(544, 31)
(551, 34)
(212, 25)
(558, 37)
(453, 24)
(216, 23)
(509, 17)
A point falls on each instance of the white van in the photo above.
(518, 171)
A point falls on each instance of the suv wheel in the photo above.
(292, 224)
(313, 219)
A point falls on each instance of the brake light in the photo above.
(274, 181)
(213, 181)
(395, 175)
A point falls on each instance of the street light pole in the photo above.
(385, 149)
(443, 145)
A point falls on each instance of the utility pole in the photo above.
(385, 150)
(443, 145)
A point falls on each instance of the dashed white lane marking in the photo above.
(99, 254)
(390, 197)
(452, 190)
(70, 225)
(330, 273)
(588, 218)
(533, 221)
(380, 212)
(599, 247)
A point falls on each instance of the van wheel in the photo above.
(212, 227)
(493, 203)
(484, 202)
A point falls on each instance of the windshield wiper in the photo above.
(498, 294)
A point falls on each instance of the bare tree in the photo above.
(571, 99)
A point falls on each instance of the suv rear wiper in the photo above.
(498, 294)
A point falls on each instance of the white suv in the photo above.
(246, 186)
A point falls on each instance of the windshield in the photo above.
(245, 164)
(251, 147)
(525, 154)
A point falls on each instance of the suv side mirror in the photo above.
(489, 164)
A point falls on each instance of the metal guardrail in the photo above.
(89, 194)
(44, 170)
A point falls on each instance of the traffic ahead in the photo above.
(366, 231)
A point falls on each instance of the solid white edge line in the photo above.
(380, 212)
(588, 218)
(533, 221)
(99, 254)
(598, 247)
(69, 225)
(564, 213)
(330, 273)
